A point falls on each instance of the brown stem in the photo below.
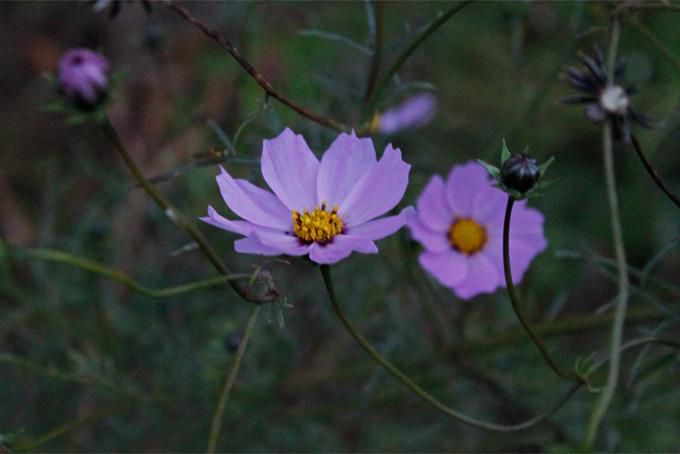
(179, 219)
(259, 78)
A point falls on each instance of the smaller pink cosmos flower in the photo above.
(460, 225)
(414, 112)
(82, 76)
(326, 209)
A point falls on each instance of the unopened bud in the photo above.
(520, 172)
(82, 77)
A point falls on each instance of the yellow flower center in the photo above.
(318, 226)
(467, 236)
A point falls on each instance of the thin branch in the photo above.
(177, 217)
(620, 254)
(653, 173)
(52, 255)
(401, 59)
(229, 379)
(670, 57)
(259, 78)
(69, 426)
(448, 411)
(420, 392)
(514, 300)
(376, 59)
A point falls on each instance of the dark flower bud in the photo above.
(82, 78)
(520, 172)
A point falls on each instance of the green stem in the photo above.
(72, 425)
(52, 255)
(420, 392)
(654, 41)
(176, 216)
(427, 31)
(617, 235)
(229, 383)
(514, 300)
(377, 49)
(652, 172)
(569, 325)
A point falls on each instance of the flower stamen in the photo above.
(467, 236)
(317, 226)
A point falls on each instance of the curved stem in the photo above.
(620, 254)
(427, 31)
(514, 300)
(420, 392)
(652, 172)
(259, 78)
(70, 426)
(376, 58)
(52, 255)
(229, 379)
(448, 411)
(670, 57)
(176, 216)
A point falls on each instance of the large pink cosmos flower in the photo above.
(326, 209)
(460, 225)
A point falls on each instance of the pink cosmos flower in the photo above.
(460, 225)
(414, 112)
(326, 209)
(82, 76)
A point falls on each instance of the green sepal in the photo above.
(494, 171)
(505, 153)
(545, 165)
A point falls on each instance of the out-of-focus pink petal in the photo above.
(413, 112)
(462, 188)
(253, 204)
(377, 191)
(341, 247)
(482, 277)
(433, 211)
(345, 161)
(380, 228)
(449, 267)
(431, 241)
(290, 169)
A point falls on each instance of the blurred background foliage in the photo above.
(88, 365)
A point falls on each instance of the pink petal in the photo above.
(341, 247)
(449, 267)
(215, 219)
(377, 191)
(463, 186)
(432, 241)
(346, 160)
(290, 169)
(433, 211)
(380, 228)
(482, 277)
(253, 204)
(251, 245)
(286, 244)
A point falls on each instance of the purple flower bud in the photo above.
(414, 112)
(82, 77)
